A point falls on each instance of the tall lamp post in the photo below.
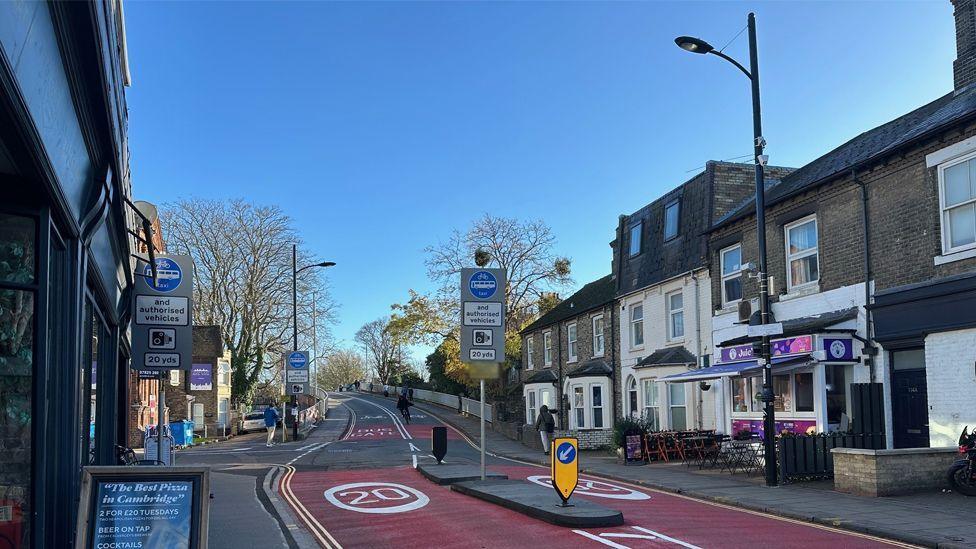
(294, 310)
(696, 45)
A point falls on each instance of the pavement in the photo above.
(931, 519)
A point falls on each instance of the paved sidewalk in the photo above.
(927, 519)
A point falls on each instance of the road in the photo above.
(363, 491)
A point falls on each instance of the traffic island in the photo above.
(540, 503)
(451, 474)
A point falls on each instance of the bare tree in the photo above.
(386, 348)
(242, 270)
(341, 366)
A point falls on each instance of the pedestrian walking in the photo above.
(545, 424)
(271, 417)
(357, 385)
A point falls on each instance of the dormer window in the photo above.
(671, 214)
(635, 239)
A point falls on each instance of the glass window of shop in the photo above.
(18, 270)
(836, 392)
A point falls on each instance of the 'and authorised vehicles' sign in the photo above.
(162, 315)
(296, 373)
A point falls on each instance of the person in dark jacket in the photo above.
(403, 404)
(545, 424)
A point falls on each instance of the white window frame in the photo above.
(594, 409)
(632, 385)
(730, 276)
(576, 408)
(547, 348)
(529, 350)
(531, 406)
(671, 313)
(572, 342)
(633, 322)
(645, 406)
(222, 372)
(800, 255)
(637, 229)
(672, 406)
(943, 210)
(676, 203)
(599, 336)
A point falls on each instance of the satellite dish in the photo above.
(148, 210)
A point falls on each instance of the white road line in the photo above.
(600, 540)
(310, 450)
(666, 538)
(396, 421)
(435, 458)
(414, 456)
(414, 448)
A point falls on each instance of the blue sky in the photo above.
(379, 127)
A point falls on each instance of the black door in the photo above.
(909, 402)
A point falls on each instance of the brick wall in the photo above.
(890, 472)
(951, 383)
(588, 439)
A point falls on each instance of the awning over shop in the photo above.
(781, 364)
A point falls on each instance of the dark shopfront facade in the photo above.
(64, 259)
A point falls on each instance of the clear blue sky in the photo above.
(381, 126)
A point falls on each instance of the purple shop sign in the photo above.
(779, 347)
(797, 426)
(201, 376)
(838, 348)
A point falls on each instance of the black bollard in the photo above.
(438, 443)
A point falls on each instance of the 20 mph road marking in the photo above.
(376, 497)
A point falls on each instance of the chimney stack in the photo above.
(964, 67)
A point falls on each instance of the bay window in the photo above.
(651, 412)
(530, 407)
(579, 407)
(596, 405)
(679, 409)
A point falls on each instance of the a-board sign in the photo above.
(162, 315)
(565, 466)
(633, 450)
(483, 320)
(143, 507)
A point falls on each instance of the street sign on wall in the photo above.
(296, 373)
(162, 315)
(565, 466)
(483, 319)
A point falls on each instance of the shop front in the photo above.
(811, 382)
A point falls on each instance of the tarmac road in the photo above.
(363, 491)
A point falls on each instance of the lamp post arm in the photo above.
(734, 62)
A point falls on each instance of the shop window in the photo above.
(783, 390)
(547, 348)
(957, 191)
(632, 397)
(578, 406)
(529, 351)
(571, 342)
(530, 407)
(17, 265)
(802, 254)
(597, 406)
(637, 325)
(652, 412)
(598, 335)
(804, 392)
(679, 411)
(836, 392)
(635, 239)
(676, 316)
(731, 259)
(740, 394)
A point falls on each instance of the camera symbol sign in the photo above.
(162, 338)
(482, 337)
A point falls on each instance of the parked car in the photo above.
(253, 421)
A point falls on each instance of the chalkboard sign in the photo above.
(144, 507)
(633, 453)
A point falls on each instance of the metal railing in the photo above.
(468, 406)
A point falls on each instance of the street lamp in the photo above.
(696, 45)
(294, 310)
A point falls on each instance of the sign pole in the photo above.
(482, 429)
(161, 394)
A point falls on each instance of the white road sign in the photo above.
(482, 314)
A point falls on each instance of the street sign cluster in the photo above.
(483, 316)
(162, 315)
(296, 373)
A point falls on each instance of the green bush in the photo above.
(626, 427)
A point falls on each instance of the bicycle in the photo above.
(405, 412)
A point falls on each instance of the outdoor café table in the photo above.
(741, 454)
(695, 448)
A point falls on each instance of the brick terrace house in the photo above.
(203, 394)
(568, 357)
(895, 206)
(663, 295)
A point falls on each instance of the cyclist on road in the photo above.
(404, 406)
